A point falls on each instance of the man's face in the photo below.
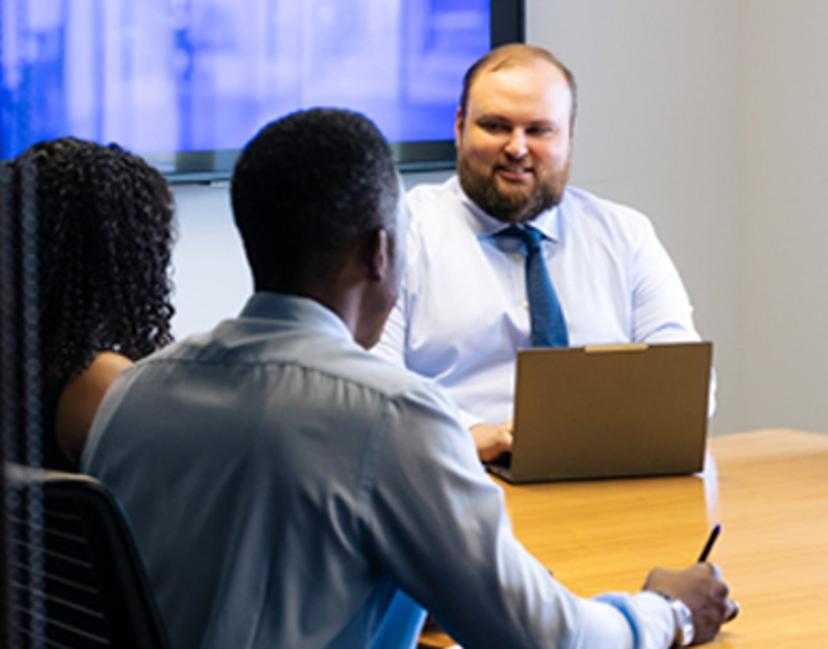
(514, 143)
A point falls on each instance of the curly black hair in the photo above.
(105, 233)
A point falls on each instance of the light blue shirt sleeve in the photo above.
(439, 527)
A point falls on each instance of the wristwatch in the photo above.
(683, 620)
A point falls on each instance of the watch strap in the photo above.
(683, 620)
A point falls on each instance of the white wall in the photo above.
(707, 116)
(210, 273)
(784, 113)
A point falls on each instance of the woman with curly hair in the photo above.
(104, 220)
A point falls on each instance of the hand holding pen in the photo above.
(700, 589)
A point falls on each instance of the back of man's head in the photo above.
(306, 190)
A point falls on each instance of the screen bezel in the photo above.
(507, 25)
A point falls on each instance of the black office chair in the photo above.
(77, 579)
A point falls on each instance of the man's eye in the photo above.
(495, 127)
(542, 131)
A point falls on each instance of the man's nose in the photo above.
(516, 146)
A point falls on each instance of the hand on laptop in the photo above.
(703, 590)
(492, 439)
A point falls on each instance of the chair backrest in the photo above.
(87, 587)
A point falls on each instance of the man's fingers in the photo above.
(732, 609)
(714, 570)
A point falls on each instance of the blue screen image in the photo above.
(161, 76)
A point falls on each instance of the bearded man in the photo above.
(508, 216)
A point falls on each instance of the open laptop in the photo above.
(609, 411)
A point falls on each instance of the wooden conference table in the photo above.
(769, 489)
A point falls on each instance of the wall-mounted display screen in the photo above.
(186, 83)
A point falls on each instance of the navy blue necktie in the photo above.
(545, 314)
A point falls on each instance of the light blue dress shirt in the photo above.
(282, 483)
(463, 312)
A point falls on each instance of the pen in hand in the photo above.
(708, 546)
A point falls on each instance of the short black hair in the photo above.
(104, 237)
(306, 189)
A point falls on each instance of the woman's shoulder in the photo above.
(81, 397)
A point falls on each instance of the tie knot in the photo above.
(530, 236)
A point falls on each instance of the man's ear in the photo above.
(378, 254)
(458, 125)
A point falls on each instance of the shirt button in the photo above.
(526, 305)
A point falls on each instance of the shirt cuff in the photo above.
(649, 616)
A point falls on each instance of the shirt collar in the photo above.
(483, 225)
(304, 312)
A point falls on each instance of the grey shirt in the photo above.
(282, 483)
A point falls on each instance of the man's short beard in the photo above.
(515, 208)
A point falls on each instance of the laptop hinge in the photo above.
(624, 347)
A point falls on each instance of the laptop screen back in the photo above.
(610, 411)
